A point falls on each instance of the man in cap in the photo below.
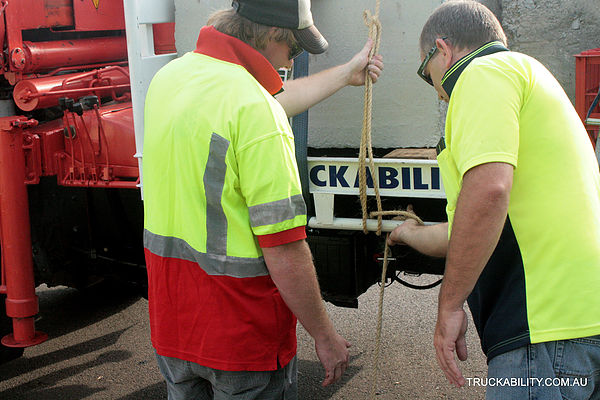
(522, 245)
(229, 270)
(300, 94)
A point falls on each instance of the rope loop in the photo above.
(399, 215)
(374, 25)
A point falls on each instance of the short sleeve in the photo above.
(269, 179)
(483, 116)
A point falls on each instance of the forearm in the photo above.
(292, 271)
(302, 93)
(478, 222)
(431, 240)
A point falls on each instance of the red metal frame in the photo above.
(17, 267)
(70, 16)
(91, 148)
(96, 150)
(164, 38)
(587, 83)
(79, 15)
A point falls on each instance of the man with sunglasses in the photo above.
(522, 244)
(229, 269)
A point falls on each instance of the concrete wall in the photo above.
(553, 31)
(406, 110)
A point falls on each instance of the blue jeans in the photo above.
(563, 369)
(188, 380)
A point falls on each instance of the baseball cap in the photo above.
(291, 14)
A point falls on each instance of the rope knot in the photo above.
(374, 25)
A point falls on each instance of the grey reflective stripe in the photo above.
(277, 211)
(214, 180)
(212, 264)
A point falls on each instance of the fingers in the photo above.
(402, 233)
(456, 377)
(367, 47)
(328, 379)
(377, 61)
(332, 377)
(394, 237)
(375, 67)
(450, 338)
(361, 61)
(445, 358)
(334, 356)
(340, 368)
(442, 363)
(390, 240)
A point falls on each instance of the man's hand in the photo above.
(356, 66)
(431, 240)
(291, 268)
(333, 354)
(450, 337)
(302, 93)
(400, 233)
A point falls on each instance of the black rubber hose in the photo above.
(300, 129)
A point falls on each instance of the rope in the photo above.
(403, 215)
(366, 147)
(374, 26)
(372, 22)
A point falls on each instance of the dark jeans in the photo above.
(188, 380)
(563, 369)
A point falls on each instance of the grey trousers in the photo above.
(187, 380)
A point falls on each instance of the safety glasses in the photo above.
(429, 56)
(295, 50)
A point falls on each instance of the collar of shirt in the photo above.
(227, 48)
(451, 76)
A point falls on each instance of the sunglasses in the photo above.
(429, 56)
(295, 50)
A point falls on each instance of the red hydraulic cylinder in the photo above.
(21, 300)
(32, 94)
(45, 56)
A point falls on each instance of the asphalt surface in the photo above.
(99, 348)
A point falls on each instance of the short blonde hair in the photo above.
(254, 34)
(467, 24)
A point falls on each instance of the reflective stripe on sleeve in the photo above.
(212, 264)
(277, 211)
(214, 181)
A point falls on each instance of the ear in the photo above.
(446, 51)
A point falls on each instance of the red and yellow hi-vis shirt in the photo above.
(220, 182)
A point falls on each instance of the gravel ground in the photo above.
(99, 348)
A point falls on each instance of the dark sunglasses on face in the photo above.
(429, 56)
(295, 50)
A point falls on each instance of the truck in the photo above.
(74, 77)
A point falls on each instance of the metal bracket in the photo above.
(33, 160)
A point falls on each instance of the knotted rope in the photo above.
(366, 147)
(372, 22)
